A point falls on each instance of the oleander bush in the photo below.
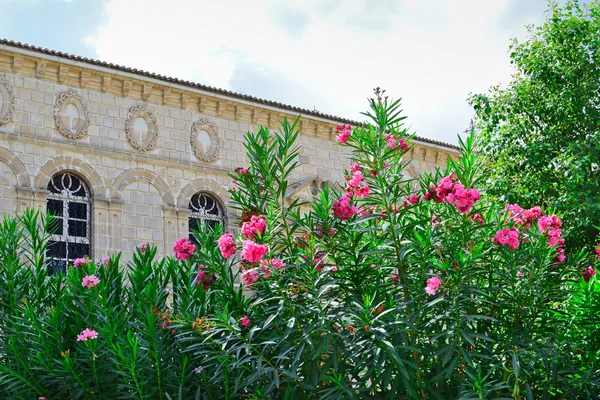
(385, 287)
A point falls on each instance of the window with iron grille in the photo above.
(69, 204)
(206, 211)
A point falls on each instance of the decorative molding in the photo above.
(146, 91)
(63, 72)
(17, 167)
(85, 170)
(106, 83)
(66, 129)
(166, 96)
(84, 79)
(200, 104)
(17, 64)
(151, 140)
(254, 115)
(212, 130)
(40, 69)
(184, 100)
(140, 174)
(235, 113)
(219, 109)
(126, 87)
(7, 102)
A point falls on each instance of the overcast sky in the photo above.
(325, 55)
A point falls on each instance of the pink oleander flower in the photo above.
(334, 268)
(342, 208)
(464, 198)
(433, 284)
(588, 273)
(79, 262)
(508, 237)
(142, 247)
(413, 199)
(86, 335)
(560, 255)
(547, 222)
(478, 218)
(395, 278)
(184, 249)
(597, 250)
(250, 276)
(253, 252)
(356, 180)
(198, 370)
(523, 217)
(520, 273)
(243, 171)
(233, 181)
(273, 262)
(42, 398)
(256, 226)
(204, 278)
(354, 168)
(226, 245)
(104, 262)
(342, 133)
(245, 321)
(90, 281)
(393, 143)
(363, 191)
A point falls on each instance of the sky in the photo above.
(326, 55)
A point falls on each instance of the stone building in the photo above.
(127, 156)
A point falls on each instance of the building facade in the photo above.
(123, 156)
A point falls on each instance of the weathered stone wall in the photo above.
(57, 115)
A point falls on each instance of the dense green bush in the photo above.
(380, 291)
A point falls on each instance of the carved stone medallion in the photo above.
(71, 115)
(205, 140)
(141, 129)
(7, 102)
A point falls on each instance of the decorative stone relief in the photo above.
(71, 115)
(141, 129)
(205, 140)
(7, 102)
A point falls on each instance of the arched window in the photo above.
(69, 203)
(205, 211)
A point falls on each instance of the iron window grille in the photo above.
(205, 212)
(69, 203)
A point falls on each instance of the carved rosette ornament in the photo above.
(71, 115)
(7, 102)
(141, 129)
(205, 140)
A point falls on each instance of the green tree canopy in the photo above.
(541, 131)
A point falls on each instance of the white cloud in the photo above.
(332, 53)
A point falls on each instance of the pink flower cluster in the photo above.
(87, 334)
(104, 262)
(256, 226)
(342, 133)
(184, 249)
(393, 142)
(356, 184)
(142, 247)
(433, 284)
(250, 276)
(204, 278)
(521, 216)
(245, 321)
(253, 252)
(451, 191)
(226, 245)
(551, 227)
(508, 237)
(597, 250)
(266, 266)
(343, 209)
(80, 262)
(90, 281)
(588, 273)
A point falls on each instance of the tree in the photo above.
(541, 131)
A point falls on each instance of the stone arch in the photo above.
(17, 166)
(140, 174)
(86, 171)
(203, 185)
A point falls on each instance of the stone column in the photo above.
(170, 226)
(25, 198)
(115, 213)
(183, 222)
(100, 228)
(40, 199)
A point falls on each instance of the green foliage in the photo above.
(542, 131)
(347, 317)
